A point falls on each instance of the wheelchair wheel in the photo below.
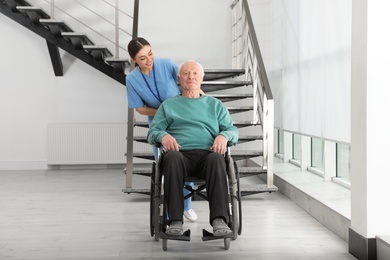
(152, 210)
(226, 242)
(235, 199)
(238, 199)
(156, 218)
(154, 204)
(235, 227)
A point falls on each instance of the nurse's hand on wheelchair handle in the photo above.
(169, 143)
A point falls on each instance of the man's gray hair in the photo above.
(200, 66)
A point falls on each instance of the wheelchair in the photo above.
(158, 209)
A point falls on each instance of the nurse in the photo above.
(148, 85)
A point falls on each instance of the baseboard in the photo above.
(361, 247)
(383, 247)
(42, 165)
(23, 165)
(86, 166)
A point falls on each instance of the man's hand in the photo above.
(220, 143)
(169, 143)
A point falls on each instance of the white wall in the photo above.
(32, 97)
(306, 45)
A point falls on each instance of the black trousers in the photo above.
(204, 164)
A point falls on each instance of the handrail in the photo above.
(246, 54)
(116, 27)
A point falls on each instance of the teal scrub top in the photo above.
(151, 91)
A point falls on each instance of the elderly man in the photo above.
(194, 130)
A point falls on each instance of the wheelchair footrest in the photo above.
(185, 237)
(209, 236)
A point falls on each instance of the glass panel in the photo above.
(317, 153)
(297, 147)
(343, 153)
(276, 141)
(281, 140)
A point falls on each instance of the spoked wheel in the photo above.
(234, 198)
(152, 209)
(238, 199)
(235, 215)
(226, 242)
(154, 204)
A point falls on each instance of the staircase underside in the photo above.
(52, 31)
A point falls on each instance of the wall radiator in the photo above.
(74, 144)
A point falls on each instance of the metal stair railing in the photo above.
(246, 54)
(59, 9)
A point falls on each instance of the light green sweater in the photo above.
(193, 122)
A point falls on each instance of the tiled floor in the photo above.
(82, 214)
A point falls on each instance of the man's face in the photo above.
(190, 76)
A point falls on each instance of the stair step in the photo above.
(144, 155)
(250, 171)
(97, 48)
(118, 64)
(208, 86)
(99, 52)
(141, 139)
(58, 23)
(248, 138)
(216, 74)
(234, 110)
(236, 155)
(117, 60)
(240, 155)
(240, 124)
(141, 124)
(77, 39)
(34, 13)
(14, 4)
(231, 97)
(78, 35)
(248, 189)
(142, 190)
(143, 171)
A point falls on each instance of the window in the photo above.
(317, 154)
(297, 149)
(342, 163)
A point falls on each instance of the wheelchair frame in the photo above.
(158, 209)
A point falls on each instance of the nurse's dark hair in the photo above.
(135, 45)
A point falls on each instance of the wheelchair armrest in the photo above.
(229, 144)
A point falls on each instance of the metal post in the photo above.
(130, 116)
(116, 29)
(52, 9)
(129, 154)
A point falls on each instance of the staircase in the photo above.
(245, 91)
